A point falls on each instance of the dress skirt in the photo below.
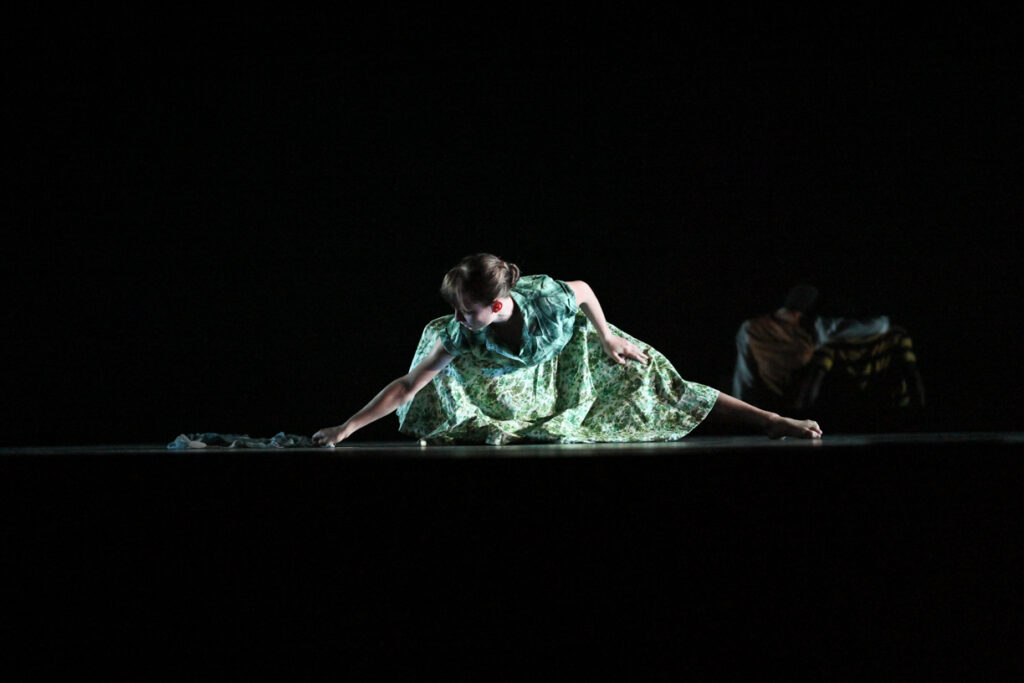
(578, 396)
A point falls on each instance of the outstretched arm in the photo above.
(396, 393)
(617, 348)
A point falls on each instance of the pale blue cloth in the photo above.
(214, 440)
(833, 329)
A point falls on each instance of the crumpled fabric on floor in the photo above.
(212, 439)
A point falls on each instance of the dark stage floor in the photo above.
(863, 555)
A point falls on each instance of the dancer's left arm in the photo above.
(616, 347)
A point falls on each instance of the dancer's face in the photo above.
(473, 316)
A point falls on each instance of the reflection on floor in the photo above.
(859, 554)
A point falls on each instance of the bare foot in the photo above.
(780, 427)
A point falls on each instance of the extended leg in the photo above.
(732, 411)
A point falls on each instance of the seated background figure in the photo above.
(793, 359)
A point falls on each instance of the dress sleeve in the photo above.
(554, 298)
(555, 308)
(568, 297)
(451, 336)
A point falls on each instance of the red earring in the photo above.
(496, 306)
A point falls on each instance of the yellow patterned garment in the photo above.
(560, 388)
(881, 368)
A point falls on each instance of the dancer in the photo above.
(532, 359)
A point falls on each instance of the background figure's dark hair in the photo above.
(480, 279)
(801, 298)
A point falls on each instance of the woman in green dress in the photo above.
(532, 359)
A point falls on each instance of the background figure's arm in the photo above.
(810, 387)
(747, 384)
(617, 348)
(396, 393)
(743, 373)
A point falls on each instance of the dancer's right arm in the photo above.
(387, 401)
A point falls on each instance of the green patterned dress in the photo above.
(561, 387)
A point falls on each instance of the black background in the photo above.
(239, 223)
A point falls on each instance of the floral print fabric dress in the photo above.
(560, 387)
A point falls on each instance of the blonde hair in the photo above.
(479, 278)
